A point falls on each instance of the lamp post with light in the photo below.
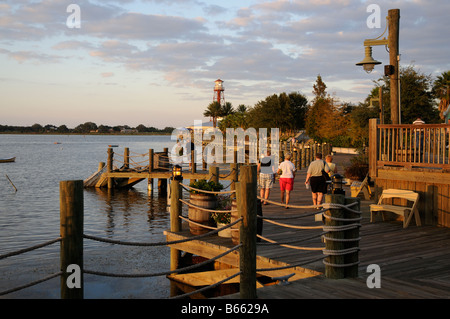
(392, 43)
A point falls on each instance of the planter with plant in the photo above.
(358, 169)
(223, 219)
(203, 200)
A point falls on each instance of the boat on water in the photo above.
(7, 160)
(113, 145)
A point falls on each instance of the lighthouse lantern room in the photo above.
(219, 92)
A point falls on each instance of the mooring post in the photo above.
(334, 261)
(175, 221)
(352, 259)
(109, 166)
(214, 173)
(71, 230)
(246, 203)
(175, 226)
(126, 157)
(150, 170)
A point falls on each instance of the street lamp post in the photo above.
(392, 42)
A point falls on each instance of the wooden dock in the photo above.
(414, 262)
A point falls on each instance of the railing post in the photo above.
(126, 158)
(175, 226)
(109, 166)
(333, 243)
(71, 229)
(246, 203)
(352, 258)
(214, 173)
(373, 147)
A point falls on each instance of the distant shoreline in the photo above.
(68, 133)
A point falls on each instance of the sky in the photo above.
(154, 62)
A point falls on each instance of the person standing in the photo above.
(331, 165)
(316, 180)
(266, 170)
(286, 170)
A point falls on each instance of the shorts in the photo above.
(265, 181)
(286, 184)
(318, 184)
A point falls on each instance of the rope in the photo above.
(100, 273)
(208, 287)
(340, 228)
(289, 217)
(205, 209)
(289, 246)
(291, 266)
(203, 191)
(293, 226)
(340, 252)
(292, 241)
(168, 243)
(340, 265)
(30, 284)
(21, 251)
(291, 206)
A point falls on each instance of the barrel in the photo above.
(234, 228)
(207, 201)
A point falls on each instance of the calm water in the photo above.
(31, 216)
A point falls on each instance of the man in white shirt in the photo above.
(287, 176)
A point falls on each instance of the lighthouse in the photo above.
(219, 92)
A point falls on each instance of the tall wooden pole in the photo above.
(71, 229)
(393, 43)
(246, 202)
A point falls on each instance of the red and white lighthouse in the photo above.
(219, 89)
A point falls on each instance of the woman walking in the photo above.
(286, 171)
(316, 180)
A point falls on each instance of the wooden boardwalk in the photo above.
(414, 262)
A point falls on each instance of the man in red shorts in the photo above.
(287, 170)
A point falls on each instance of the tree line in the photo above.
(326, 119)
(84, 128)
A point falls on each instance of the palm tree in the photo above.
(441, 90)
(214, 111)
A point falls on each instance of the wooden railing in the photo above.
(424, 146)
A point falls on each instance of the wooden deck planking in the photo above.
(414, 262)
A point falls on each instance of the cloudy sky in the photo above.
(154, 62)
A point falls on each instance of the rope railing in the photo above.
(187, 187)
(164, 273)
(326, 230)
(25, 250)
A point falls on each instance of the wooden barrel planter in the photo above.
(207, 201)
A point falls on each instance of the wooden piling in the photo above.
(175, 221)
(333, 243)
(126, 158)
(71, 230)
(353, 258)
(214, 173)
(246, 203)
(109, 166)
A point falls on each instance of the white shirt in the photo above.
(288, 169)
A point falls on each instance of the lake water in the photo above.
(31, 216)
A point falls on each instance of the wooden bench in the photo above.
(406, 211)
(358, 187)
